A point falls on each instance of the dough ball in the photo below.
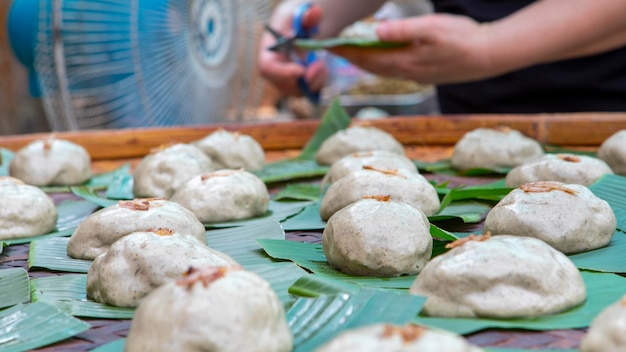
(158, 174)
(95, 234)
(138, 263)
(408, 338)
(499, 277)
(608, 330)
(400, 184)
(569, 217)
(25, 211)
(212, 309)
(224, 195)
(354, 162)
(376, 237)
(566, 168)
(356, 139)
(490, 148)
(51, 162)
(613, 152)
(232, 150)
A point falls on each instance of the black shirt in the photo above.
(593, 83)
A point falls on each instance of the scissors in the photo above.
(286, 45)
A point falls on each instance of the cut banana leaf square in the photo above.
(51, 253)
(68, 294)
(277, 211)
(335, 119)
(316, 44)
(96, 182)
(300, 191)
(121, 187)
(5, 160)
(444, 167)
(241, 242)
(610, 259)
(14, 287)
(30, 326)
(103, 180)
(92, 196)
(290, 169)
(602, 291)
(612, 188)
(315, 321)
(311, 257)
(470, 212)
(280, 276)
(307, 220)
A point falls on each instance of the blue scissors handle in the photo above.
(311, 57)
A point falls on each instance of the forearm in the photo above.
(550, 30)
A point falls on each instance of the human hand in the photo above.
(278, 68)
(442, 49)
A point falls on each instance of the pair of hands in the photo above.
(442, 49)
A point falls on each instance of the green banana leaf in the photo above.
(13, 287)
(96, 182)
(280, 276)
(51, 254)
(290, 169)
(503, 349)
(611, 188)
(6, 156)
(470, 212)
(602, 291)
(444, 167)
(555, 149)
(121, 187)
(92, 196)
(2, 244)
(70, 214)
(300, 191)
(311, 257)
(240, 242)
(304, 166)
(277, 211)
(307, 220)
(315, 321)
(113, 346)
(315, 285)
(610, 259)
(316, 44)
(68, 294)
(30, 326)
(334, 120)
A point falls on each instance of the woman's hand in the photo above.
(278, 68)
(441, 49)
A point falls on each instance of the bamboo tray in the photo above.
(427, 138)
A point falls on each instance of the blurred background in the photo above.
(92, 64)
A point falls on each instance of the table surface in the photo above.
(106, 330)
(427, 138)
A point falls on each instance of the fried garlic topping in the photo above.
(219, 173)
(205, 275)
(503, 129)
(462, 241)
(161, 231)
(409, 333)
(380, 198)
(546, 186)
(392, 172)
(139, 203)
(569, 157)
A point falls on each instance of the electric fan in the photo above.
(136, 63)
